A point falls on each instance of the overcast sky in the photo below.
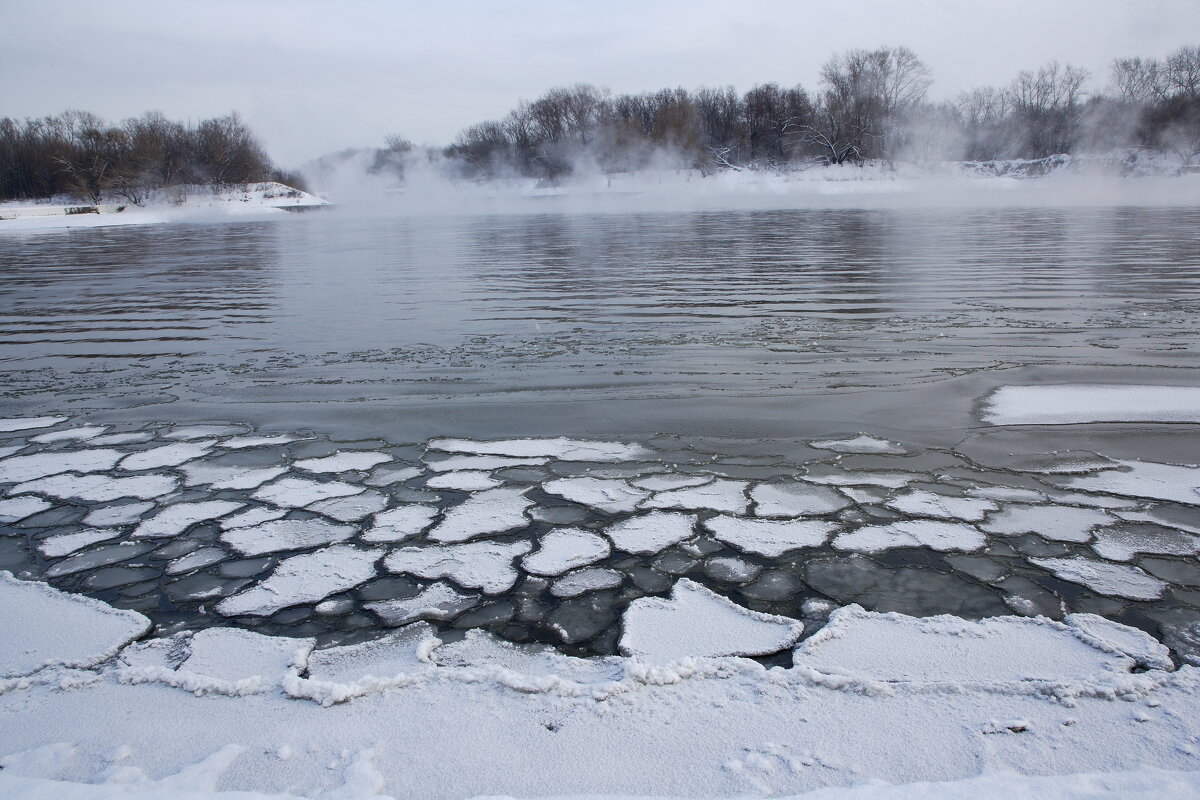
(312, 77)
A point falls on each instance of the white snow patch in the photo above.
(464, 481)
(770, 538)
(1114, 637)
(564, 549)
(306, 578)
(1082, 403)
(720, 495)
(67, 543)
(483, 514)
(337, 674)
(300, 492)
(353, 508)
(41, 626)
(859, 444)
(168, 455)
(175, 519)
(1180, 484)
(652, 532)
(920, 502)
(15, 469)
(608, 495)
(562, 449)
(941, 536)
(1123, 542)
(101, 488)
(221, 477)
(285, 534)
(236, 661)
(1060, 523)
(487, 566)
(795, 500)
(696, 622)
(15, 509)
(11, 424)
(397, 524)
(1114, 580)
(349, 461)
(70, 434)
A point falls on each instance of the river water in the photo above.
(722, 343)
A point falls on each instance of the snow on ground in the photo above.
(770, 538)
(1115, 580)
(1082, 403)
(305, 578)
(695, 621)
(941, 536)
(42, 627)
(487, 566)
(488, 512)
(859, 444)
(561, 448)
(1180, 484)
(564, 549)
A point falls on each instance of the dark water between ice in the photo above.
(723, 340)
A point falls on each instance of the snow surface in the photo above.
(795, 500)
(1060, 523)
(221, 477)
(922, 503)
(67, 543)
(652, 532)
(121, 514)
(306, 578)
(941, 536)
(397, 524)
(70, 434)
(285, 534)
(770, 538)
(695, 621)
(348, 461)
(1115, 580)
(1180, 484)
(562, 449)
(167, 455)
(487, 566)
(300, 492)
(11, 424)
(175, 519)
(719, 495)
(100, 488)
(608, 495)
(437, 601)
(15, 509)
(464, 481)
(1082, 403)
(352, 508)
(564, 549)
(15, 469)
(42, 627)
(483, 514)
(859, 444)
(1124, 542)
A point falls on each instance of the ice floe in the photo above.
(770, 538)
(121, 438)
(15, 469)
(1114, 637)
(187, 433)
(352, 508)
(168, 455)
(1114, 580)
(70, 434)
(11, 424)
(887, 480)
(1124, 542)
(608, 495)
(695, 621)
(945, 649)
(285, 534)
(719, 495)
(403, 522)
(437, 601)
(562, 449)
(101, 488)
(15, 509)
(487, 566)
(344, 461)
(66, 543)
(337, 674)
(175, 519)
(485, 513)
(222, 477)
(1060, 523)
(942, 536)
(1180, 484)
(922, 503)
(651, 532)
(122, 514)
(464, 481)
(796, 500)
(42, 627)
(481, 463)
(1082, 403)
(564, 549)
(386, 476)
(731, 570)
(241, 662)
(300, 492)
(197, 559)
(304, 578)
(859, 444)
(588, 579)
(245, 442)
(252, 516)
(659, 483)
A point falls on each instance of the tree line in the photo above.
(869, 104)
(77, 153)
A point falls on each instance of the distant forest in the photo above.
(78, 154)
(868, 105)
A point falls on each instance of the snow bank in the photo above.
(1081, 403)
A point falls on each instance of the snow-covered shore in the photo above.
(175, 204)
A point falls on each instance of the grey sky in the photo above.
(312, 77)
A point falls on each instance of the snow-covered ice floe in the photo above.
(562, 449)
(1083, 403)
